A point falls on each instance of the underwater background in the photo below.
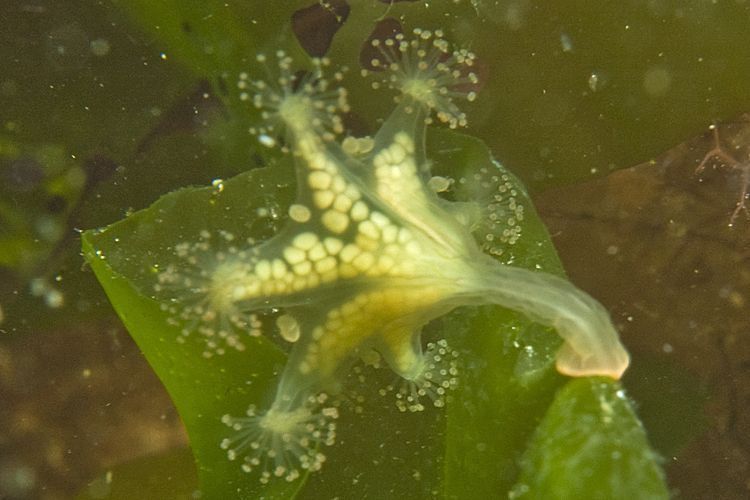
(603, 111)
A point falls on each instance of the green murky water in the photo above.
(105, 106)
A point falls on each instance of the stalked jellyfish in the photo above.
(369, 254)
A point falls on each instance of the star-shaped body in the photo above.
(370, 254)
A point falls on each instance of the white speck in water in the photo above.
(266, 140)
(218, 184)
(667, 348)
(566, 42)
(595, 81)
(613, 250)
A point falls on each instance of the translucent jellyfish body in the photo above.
(370, 253)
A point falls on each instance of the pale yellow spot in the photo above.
(299, 284)
(439, 184)
(339, 184)
(362, 299)
(329, 276)
(385, 263)
(379, 219)
(303, 268)
(278, 268)
(349, 309)
(409, 166)
(379, 162)
(250, 290)
(323, 199)
(398, 153)
(390, 233)
(325, 265)
(368, 229)
(359, 211)
(357, 146)
(334, 325)
(335, 221)
(317, 252)
(366, 243)
(319, 180)
(238, 292)
(404, 236)
(299, 213)
(333, 245)
(343, 203)
(313, 280)
(263, 270)
(352, 192)
(288, 328)
(317, 332)
(349, 252)
(294, 255)
(405, 141)
(405, 267)
(413, 248)
(305, 241)
(350, 146)
(316, 161)
(366, 144)
(393, 250)
(347, 271)
(364, 261)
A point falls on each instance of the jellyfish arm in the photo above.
(591, 345)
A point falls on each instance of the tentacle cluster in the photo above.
(433, 379)
(296, 100)
(206, 281)
(425, 69)
(280, 442)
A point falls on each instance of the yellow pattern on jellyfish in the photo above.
(370, 254)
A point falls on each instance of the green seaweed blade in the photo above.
(508, 381)
(590, 444)
(203, 389)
